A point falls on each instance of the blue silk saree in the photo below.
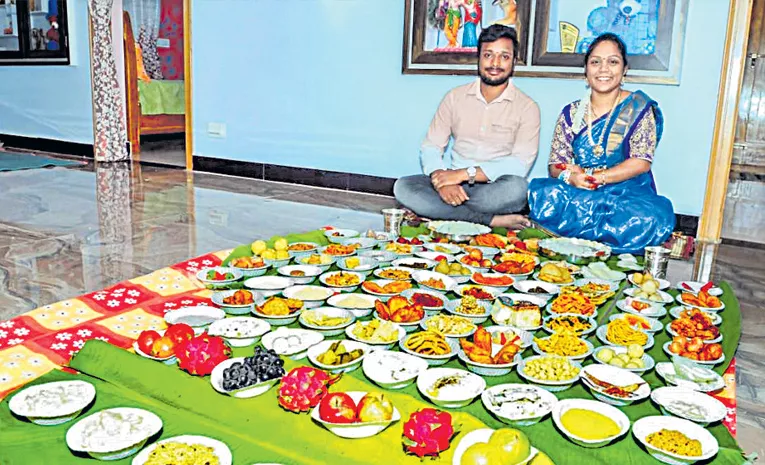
(628, 216)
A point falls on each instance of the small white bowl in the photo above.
(700, 362)
(383, 258)
(460, 291)
(213, 284)
(231, 309)
(269, 286)
(656, 325)
(591, 321)
(433, 360)
(169, 360)
(277, 262)
(381, 283)
(654, 311)
(409, 326)
(648, 361)
(676, 401)
(451, 307)
(252, 272)
(293, 292)
(356, 430)
(545, 399)
(675, 312)
(416, 264)
(483, 435)
(667, 372)
(309, 273)
(618, 377)
(647, 425)
(392, 370)
(421, 276)
(117, 447)
(278, 320)
(500, 288)
(612, 286)
(599, 407)
(300, 253)
(457, 399)
(254, 390)
(330, 312)
(350, 288)
(448, 336)
(486, 369)
(239, 331)
(680, 300)
(365, 267)
(323, 346)
(199, 317)
(523, 287)
(361, 243)
(526, 337)
(674, 333)
(434, 256)
(535, 299)
(291, 342)
(82, 394)
(695, 287)
(220, 449)
(324, 251)
(303, 260)
(383, 345)
(360, 312)
(450, 248)
(429, 311)
(665, 298)
(583, 356)
(593, 315)
(552, 386)
(663, 283)
(337, 236)
(381, 273)
(536, 278)
(602, 332)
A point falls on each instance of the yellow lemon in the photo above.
(258, 247)
(269, 254)
(280, 244)
(282, 255)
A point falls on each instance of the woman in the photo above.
(600, 185)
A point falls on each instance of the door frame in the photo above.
(187, 76)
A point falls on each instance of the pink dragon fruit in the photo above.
(200, 354)
(303, 388)
(428, 432)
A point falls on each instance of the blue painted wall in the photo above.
(53, 102)
(317, 83)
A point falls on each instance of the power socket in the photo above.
(216, 130)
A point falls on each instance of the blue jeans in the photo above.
(504, 196)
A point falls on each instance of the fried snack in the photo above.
(477, 292)
(573, 303)
(697, 325)
(277, 306)
(434, 283)
(637, 322)
(597, 298)
(492, 280)
(395, 274)
(240, 297)
(317, 318)
(375, 331)
(427, 343)
(695, 313)
(469, 306)
(474, 257)
(555, 274)
(491, 240)
(695, 349)
(450, 325)
(248, 262)
(703, 300)
(316, 259)
(479, 350)
(337, 249)
(622, 334)
(399, 249)
(515, 263)
(342, 279)
(399, 310)
(300, 247)
(572, 323)
(564, 343)
(427, 300)
(396, 287)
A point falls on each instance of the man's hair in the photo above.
(496, 32)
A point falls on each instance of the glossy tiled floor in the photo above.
(67, 231)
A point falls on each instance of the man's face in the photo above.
(495, 64)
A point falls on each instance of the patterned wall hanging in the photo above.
(108, 113)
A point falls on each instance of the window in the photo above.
(33, 32)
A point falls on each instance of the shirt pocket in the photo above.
(503, 133)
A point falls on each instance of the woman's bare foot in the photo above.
(510, 222)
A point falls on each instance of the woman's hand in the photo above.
(583, 181)
(558, 168)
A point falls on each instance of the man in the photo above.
(495, 128)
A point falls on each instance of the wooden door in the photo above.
(745, 202)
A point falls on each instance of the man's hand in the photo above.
(453, 195)
(443, 178)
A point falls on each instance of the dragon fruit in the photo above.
(200, 354)
(428, 432)
(303, 388)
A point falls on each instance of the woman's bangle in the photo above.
(564, 176)
(603, 180)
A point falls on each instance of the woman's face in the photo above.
(605, 67)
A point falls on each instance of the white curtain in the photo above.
(144, 13)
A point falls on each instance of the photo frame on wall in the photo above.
(553, 34)
(440, 36)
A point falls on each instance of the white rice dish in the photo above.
(518, 403)
(393, 367)
(455, 387)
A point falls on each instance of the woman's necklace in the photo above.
(598, 148)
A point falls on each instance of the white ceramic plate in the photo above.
(253, 390)
(691, 405)
(239, 331)
(676, 311)
(439, 295)
(460, 290)
(336, 236)
(648, 361)
(680, 300)
(413, 263)
(591, 321)
(401, 332)
(392, 370)
(455, 396)
(647, 425)
(552, 386)
(663, 283)
(483, 435)
(107, 446)
(603, 331)
(356, 430)
(236, 272)
(665, 298)
(599, 407)
(428, 255)
(64, 401)
(291, 342)
(309, 273)
(700, 362)
(589, 345)
(345, 288)
(526, 404)
(294, 292)
(450, 248)
(329, 312)
(695, 287)
(655, 324)
(380, 282)
(612, 286)
(667, 371)
(320, 348)
(654, 311)
(382, 273)
(220, 449)
(421, 276)
(618, 377)
(269, 285)
(197, 317)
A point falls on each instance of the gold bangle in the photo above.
(603, 177)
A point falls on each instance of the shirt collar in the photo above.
(506, 94)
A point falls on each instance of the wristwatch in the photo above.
(471, 172)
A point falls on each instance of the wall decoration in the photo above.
(554, 35)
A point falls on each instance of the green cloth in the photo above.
(160, 97)
(10, 161)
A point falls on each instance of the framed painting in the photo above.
(441, 36)
(653, 31)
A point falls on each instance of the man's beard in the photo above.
(489, 81)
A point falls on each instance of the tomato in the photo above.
(180, 332)
(337, 407)
(163, 347)
(146, 340)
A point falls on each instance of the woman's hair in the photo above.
(496, 32)
(607, 37)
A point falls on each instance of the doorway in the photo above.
(744, 218)
(155, 36)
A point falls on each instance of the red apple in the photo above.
(374, 406)
(146, 340)
(180, 332)
(337, 407)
